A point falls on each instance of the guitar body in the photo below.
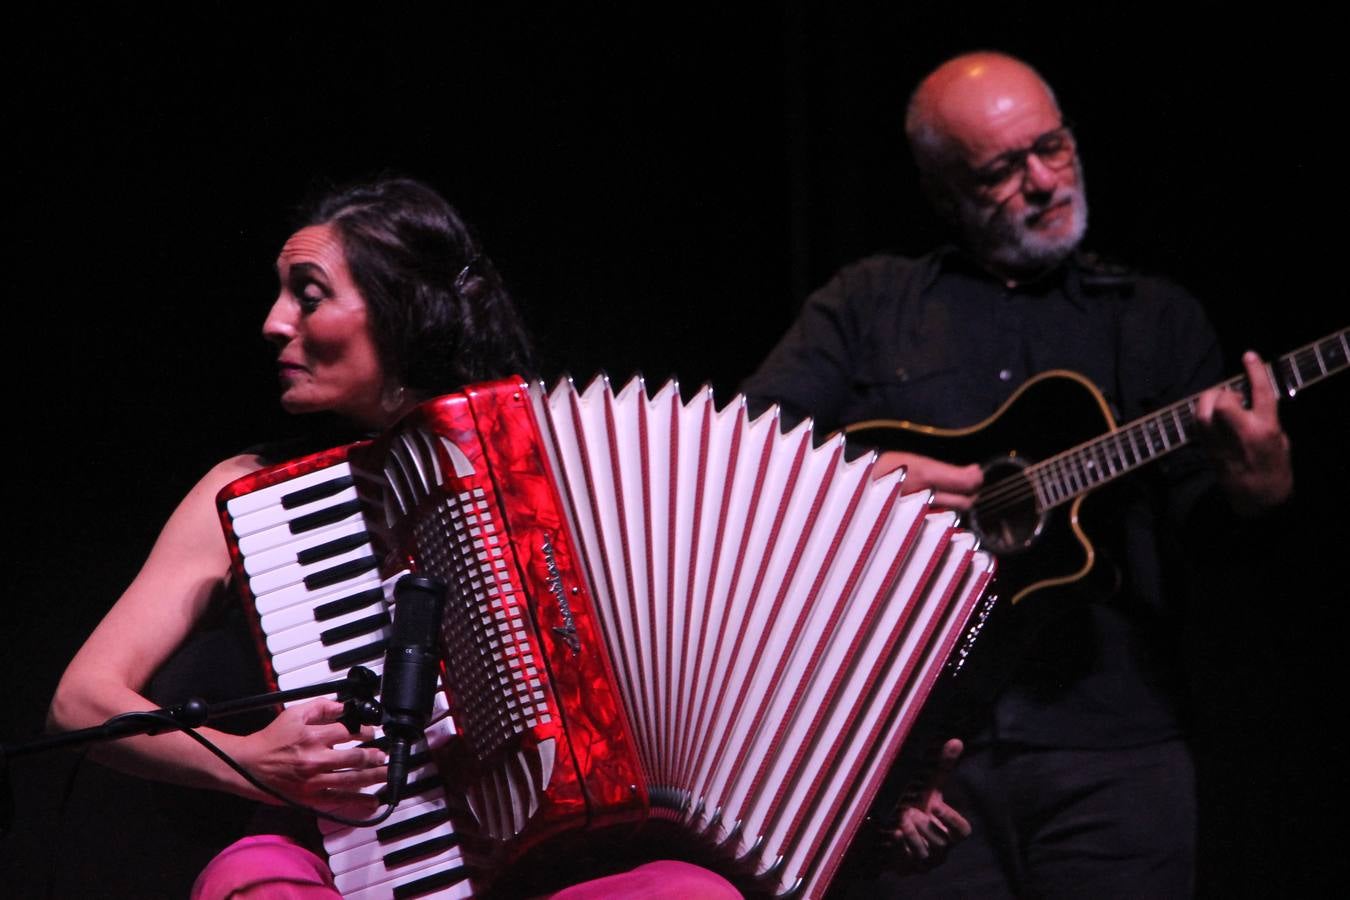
(1037, 550)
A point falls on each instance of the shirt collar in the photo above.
(1067, 277)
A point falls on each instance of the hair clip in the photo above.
(463, 275)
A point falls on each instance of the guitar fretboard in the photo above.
(1070, 474)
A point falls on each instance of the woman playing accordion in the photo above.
(385, 300)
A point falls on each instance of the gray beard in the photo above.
(1007, 245)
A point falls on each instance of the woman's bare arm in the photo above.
(188, 564)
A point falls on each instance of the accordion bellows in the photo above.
(657, 608)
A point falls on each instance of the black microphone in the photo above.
(409, 682)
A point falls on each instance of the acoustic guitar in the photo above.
(1027, 512)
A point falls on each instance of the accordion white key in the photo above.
(658, 611)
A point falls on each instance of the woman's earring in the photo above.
(392, 400)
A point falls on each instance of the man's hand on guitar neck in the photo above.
(953, 487)
(1248, 446)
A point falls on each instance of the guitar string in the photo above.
(1077, 471)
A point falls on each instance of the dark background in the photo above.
(661, 190)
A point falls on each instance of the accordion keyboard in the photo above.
(315, 583)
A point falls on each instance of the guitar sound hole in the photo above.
(1004, 514)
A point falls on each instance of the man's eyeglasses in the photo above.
(1055, 149)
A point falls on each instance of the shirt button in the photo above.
(1005, 375)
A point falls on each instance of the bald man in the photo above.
(1080, 782)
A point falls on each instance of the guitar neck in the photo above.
(1068, 475)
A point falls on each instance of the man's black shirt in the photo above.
(939, 341)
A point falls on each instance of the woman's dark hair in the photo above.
(440, 315)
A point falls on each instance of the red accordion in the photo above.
(656, 610)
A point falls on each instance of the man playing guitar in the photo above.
(1080, 783)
